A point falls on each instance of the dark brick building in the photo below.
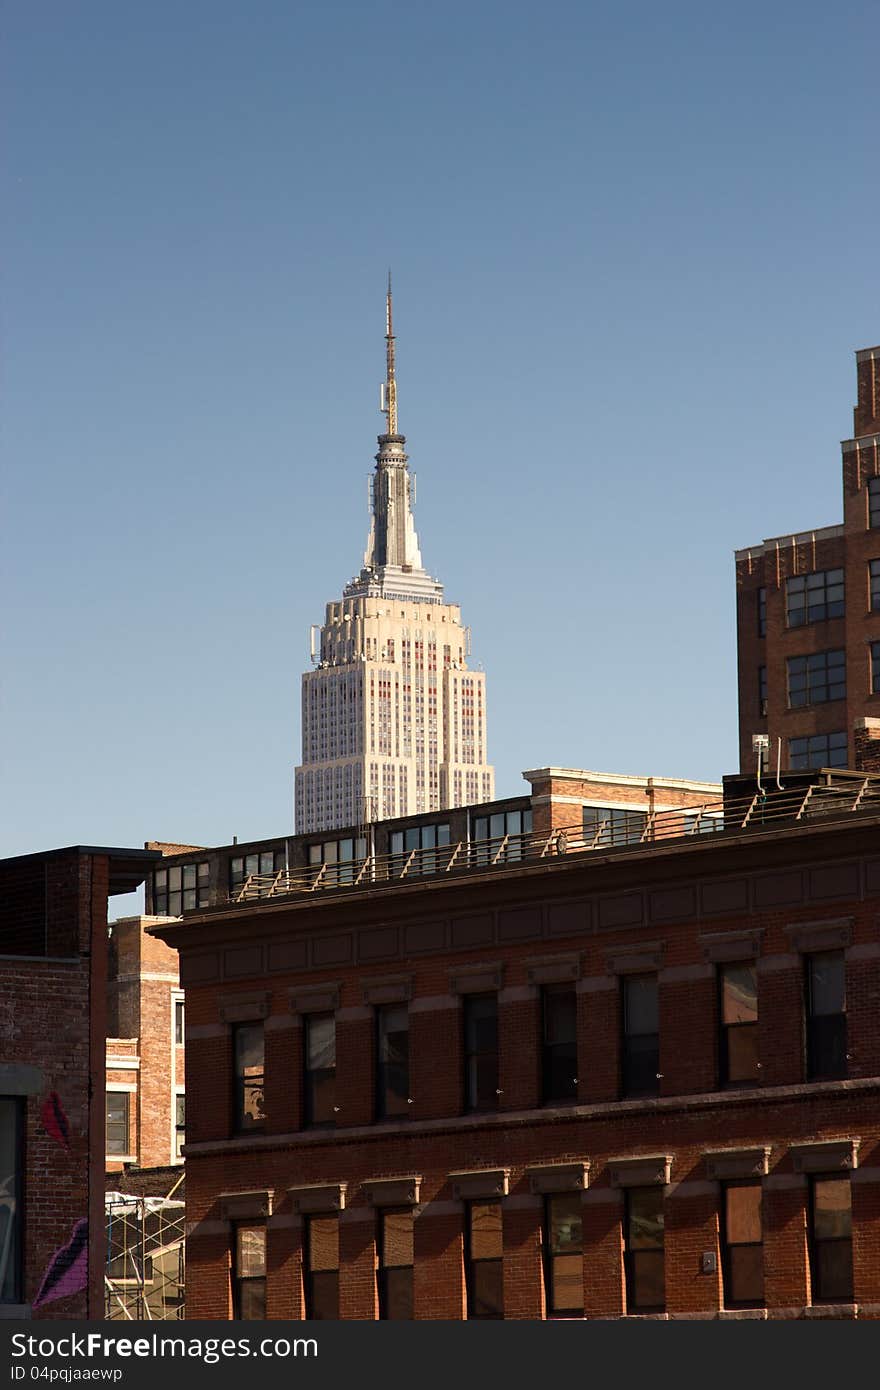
(53, 979)
(570, 1078)
(808, 620)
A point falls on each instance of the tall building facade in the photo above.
(393, 720)
(808, 621)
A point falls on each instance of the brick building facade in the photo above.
(808, 620)
(53, 981)
(633, 1079)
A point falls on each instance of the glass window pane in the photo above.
(346, 851)
(398, 1294)
(560, 1014)
(397, 842)
(204, 875)
(320, 1041)
(324, 1295)
(161, 880)
(174, 904)
(640, 1004)
(189, 899)
(567, 1273)
(648, 1288)
(496, 826)
(739, 993)
(174, 878)
(566, 1223)
(487, 1289)
(316, 854)
(189, 875)
(833, 1266)
(743, 1214)
(442, 834)
(514, 823)
(832, 1212)
(485, 1231)
(481, 828)
(250, 1252)
(742, 1052)
(827, 983)
(645, 1218)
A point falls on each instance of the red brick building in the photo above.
(53, 984)
(808, 620)
(569, 1078)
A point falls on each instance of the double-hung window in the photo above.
(319, 1050)
(559, 1042)
(395, 1264)
(248, 1047)
(641, 1036)
(118, 1117)
(738, 1004)
(564, 1255)
(480, 1019)
(826, 1016)
(321, 1267)
(742, 1248)
(643, 1250)
(484, 1263)
(831, 1270)
(392, 1060)
(249, 1273)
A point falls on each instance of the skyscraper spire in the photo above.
(389, 393)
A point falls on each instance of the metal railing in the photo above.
(840, 794)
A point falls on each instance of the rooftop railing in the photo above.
(839, 795)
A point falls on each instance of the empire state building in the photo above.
(393, 721)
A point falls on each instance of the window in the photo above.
(762, 612)
(340, 858)
(738, 1051)
(179, 1026)
(559, 1042)
(643, 1250)
(818, 750)
(180, 888)
(11, 1174)
(611, 825)
(484, 1275)
(396, 1265)
(826, 1016)
(641, 1037)
(392, 1060)
(422, 839)
(831, 1274)
(321, 1267)
(513, 824)
(875, 668)
(249, 1058)
(249, 1273)
(179, 1123)
(261, 867)
(564, 1255)
(762, 692)
(873, 503)
(810, 598)
(742, 1250)
(874, 575)
(816, 678)
(117, 1106)
(481, 1051)
(319, 1048)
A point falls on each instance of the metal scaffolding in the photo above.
(144, 1278)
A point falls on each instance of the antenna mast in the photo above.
(388, 404)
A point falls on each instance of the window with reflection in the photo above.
(641, 1035)
(11, 1178)
(484, 1276)
(738, 1050)
(180, 888)
(810, 598)
(816, 678)
(826, 1016)
(559, 1042)
(319, 1051)
(321, 1267)
(613, 825)
(392, 1060)
(117, 1108)
(395, 1264)
(564, 1255)
(831, 1273)
(248, 1048)
(742, 1249)
(179, 1028)
(817, 750)
(257, 870)
(873, 503)
(515, 825)
(480, 1018)
(643, 1250)
(249, 1273)
(339, 860)
(413, 848)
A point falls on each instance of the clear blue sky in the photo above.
(634, 249)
